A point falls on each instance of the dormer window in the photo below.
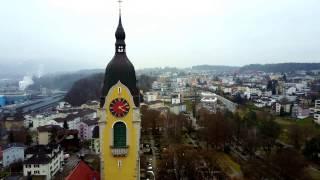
(120, 49)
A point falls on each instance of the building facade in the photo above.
(43, 161)
(12, 153)
(316, 114)
(86, 127)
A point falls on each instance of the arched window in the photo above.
(119, 135)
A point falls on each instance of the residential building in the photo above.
(150, 97)
(34, 121)
(178, 108)
(85, 128)
(13, 122)
(43, 161)
(299, 112)
(291, 90)
(176, 98)
(227, 90)
(12, 153)
(76, 117)
(252, 91)
(278, 108)
(316, 114)
(46, 133)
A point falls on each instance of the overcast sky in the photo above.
(79, 34)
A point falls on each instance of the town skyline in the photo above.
(191, 103)
(73, 35)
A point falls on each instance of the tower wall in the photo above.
(127, 165)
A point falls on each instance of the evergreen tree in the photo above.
(312, 149)
(11, 137)
(29, 139)
(65, 125)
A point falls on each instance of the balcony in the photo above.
(119, 151)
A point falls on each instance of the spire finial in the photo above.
(120, 1)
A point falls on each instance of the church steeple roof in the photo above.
(120, 68)
(120, 34)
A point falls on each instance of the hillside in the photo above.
(281, 67)
(85, 89)
(89, 88)
(61, 81)
(215, 68)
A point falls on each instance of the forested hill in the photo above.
(61, 81)
(281, 67)
(85, 89)
(216, 68)
(89, 88)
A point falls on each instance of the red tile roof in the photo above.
(84, 172)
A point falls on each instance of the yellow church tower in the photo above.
(120, 121)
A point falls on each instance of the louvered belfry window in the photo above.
(119, 135)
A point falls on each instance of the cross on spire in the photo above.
(120, 1)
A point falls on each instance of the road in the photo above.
(154, 157)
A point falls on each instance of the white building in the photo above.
(150, 96)
(209, 99)
(278, 108)
(156, 85)
(12, 153)
(176, 99)
(43, 161)
(33, 122)
(213, 88)
(76, 117)
(291, 90)
(316, 114)
(256, 91)
(178, 108)
(227, 90)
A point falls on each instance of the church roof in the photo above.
(120, 69)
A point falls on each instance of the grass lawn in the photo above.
(4, 174)
(286, 122)
(189, 105)
(228, 166)
(314, 174)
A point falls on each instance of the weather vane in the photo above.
(120, 1)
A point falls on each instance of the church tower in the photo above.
(120, 116)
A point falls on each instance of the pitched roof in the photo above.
(7, 146)
(84, 172)
(42, 149)
(48, 128)
(38, 159)
(78, 114)
(90, 122)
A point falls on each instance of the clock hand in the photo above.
(120, 107)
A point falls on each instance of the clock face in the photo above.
(119, 107)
